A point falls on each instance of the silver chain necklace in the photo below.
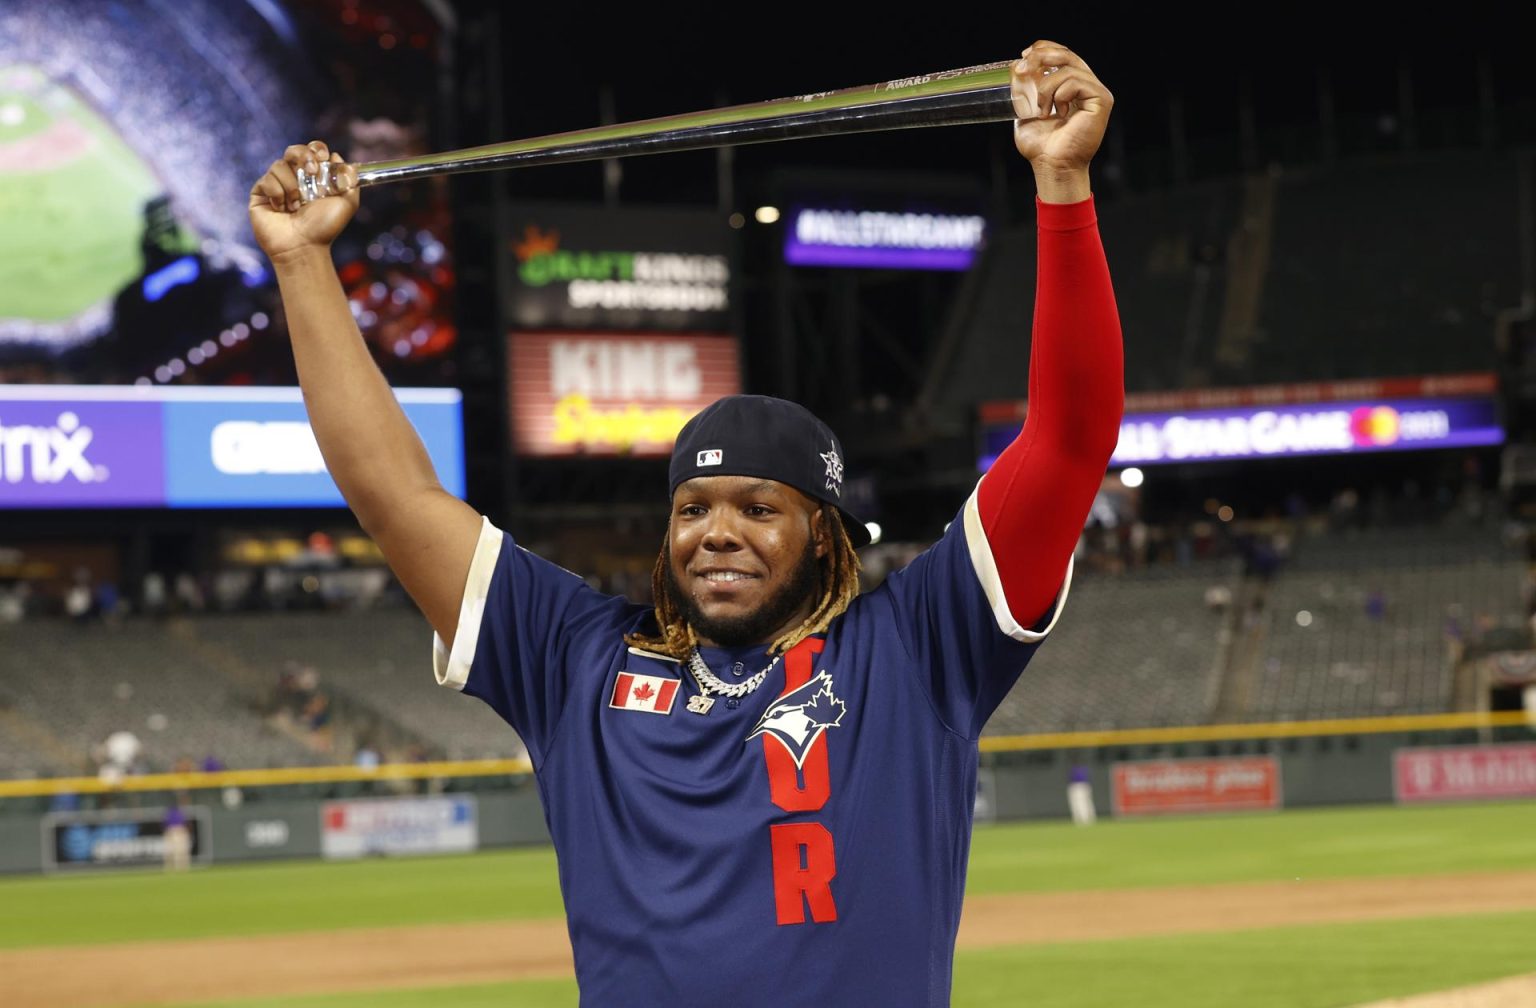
(711, 683)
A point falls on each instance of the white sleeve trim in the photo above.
(452, 668)
(992, 585)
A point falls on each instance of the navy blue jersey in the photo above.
(807, 846)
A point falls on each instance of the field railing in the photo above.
(436, 770)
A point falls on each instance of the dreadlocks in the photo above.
(839, 584)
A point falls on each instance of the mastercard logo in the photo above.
(1374, 426)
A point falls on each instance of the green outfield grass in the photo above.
(71, 237)
(1325, 966)
(512, 884)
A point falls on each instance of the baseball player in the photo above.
(760, 790)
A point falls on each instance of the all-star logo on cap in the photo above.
(765, 438)
(834, 470)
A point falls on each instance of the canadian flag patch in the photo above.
(653, 694)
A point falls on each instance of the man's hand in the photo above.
(1064, 110)
(283, 225)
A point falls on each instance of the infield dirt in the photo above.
(212, 969)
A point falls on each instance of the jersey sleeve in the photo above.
(523, 626)
(952, 614)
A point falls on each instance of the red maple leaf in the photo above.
(644, 691)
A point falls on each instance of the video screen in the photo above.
(130, 136)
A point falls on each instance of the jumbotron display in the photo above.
(129, 138)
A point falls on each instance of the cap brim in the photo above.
(858, 532)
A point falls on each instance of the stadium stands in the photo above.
(1355, 622)
(1359, 624)
(1138, 649)
(377, 664)
(88, 681)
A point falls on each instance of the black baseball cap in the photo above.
(754, 435)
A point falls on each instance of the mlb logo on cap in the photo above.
(713, 456)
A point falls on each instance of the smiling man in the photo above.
(761, 788)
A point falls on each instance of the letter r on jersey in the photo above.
(803, 869)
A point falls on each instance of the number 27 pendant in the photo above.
(700, 704)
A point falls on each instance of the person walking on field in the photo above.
(760, 789)
(176, 836)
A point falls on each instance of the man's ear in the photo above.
(821, 532)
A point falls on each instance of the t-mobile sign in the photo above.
(1451, 773)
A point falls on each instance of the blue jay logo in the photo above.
(798, 718)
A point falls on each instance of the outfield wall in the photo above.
(132, 836)
(1344, 770)
(342, 819)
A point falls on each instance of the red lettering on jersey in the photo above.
(803, 861)
(803, 867)
(805, 788)
(798, 666)
(797, 789)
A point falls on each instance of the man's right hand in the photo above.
(285, 226)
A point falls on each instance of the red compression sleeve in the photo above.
(1035, 499)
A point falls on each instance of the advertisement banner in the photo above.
(1338, 428)
(1231, 784)
(1464, 773)
(882, 239)
(578, 266)
(1470, 384)
(147, 446)
(63, 450)
(123, 838)
(612, 394)
(440, 825)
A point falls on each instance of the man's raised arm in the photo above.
(1034, 501)
(427, 535)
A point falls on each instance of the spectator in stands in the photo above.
(77, 598)
(1183, 548)
(1455, 634)
(316, 719)
(13, 603)
(189, 594)
(152, 595)
(118, 756)
(1344, 510)
(1138, 539)
(367, 756)
(1261, 559)
(108, 603)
